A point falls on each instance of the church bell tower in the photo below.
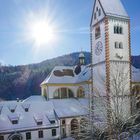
(110, 49)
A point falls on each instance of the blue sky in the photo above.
(70, 18)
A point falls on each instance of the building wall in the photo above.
(47, 133)
(118, 38)
(51, 89)
(119, 68)
(98, 58)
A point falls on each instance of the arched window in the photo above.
(121, 30)
(99, 12)
(97, 32)
(120, 45)
(15, 136)
(44, 92)
(116, 45)
(115, 29)
(74, 126)
(118, 29)
(94, 15)
(56, 94)
(62, 93)
(80, 93)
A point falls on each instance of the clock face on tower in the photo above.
(98, 48)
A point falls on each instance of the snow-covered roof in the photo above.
(35, 98)
(135, 74)
(114, 8)
(26, 120)
(66, 75)
(70, 107)
(85, 75)
(39, 111)
(58, 75)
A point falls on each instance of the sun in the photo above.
(42, 32)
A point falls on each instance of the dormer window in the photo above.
(14, 118)
(14, 121)
(52, 121)
(12, 108)
(39, 122)
(26, 107)
(38, 119)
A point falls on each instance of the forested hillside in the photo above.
(23, 81)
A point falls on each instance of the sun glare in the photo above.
(41, 32)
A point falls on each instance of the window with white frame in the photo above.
(53, 132)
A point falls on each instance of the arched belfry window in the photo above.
(80, 93)
(121, 30)
(115, 29)
(62, 93)
(118, 45)
(118, 29)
